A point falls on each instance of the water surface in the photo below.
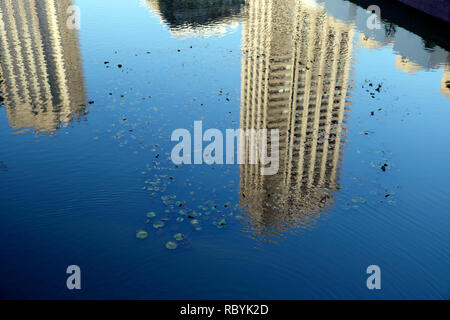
(86, 119)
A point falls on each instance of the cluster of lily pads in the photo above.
(171, 245)
(183, 214)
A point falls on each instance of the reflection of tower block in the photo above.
(41, 70)
(294, 78)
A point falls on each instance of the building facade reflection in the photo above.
(295, 75)
(41, 73)
(409, 40)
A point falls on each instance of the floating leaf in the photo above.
(141, 234)
(151, 214)
(178, 236)
(171, 245)
(195, 222)
(158, 224)
(222, 223)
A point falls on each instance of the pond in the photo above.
(92, 93)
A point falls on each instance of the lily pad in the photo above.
(222, 223)
(178, 236)
(141, 234)
(195, 222)
(158, 224)
(151, 214)
(171, 245)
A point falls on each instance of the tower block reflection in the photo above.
(41, 79)
(295, 73)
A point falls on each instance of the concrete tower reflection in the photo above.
(41, 75)
(295, 74)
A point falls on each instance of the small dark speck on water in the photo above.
(3, 166)
(378, 88)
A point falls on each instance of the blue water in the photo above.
(77, 193)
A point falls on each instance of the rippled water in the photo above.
(86, 119)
